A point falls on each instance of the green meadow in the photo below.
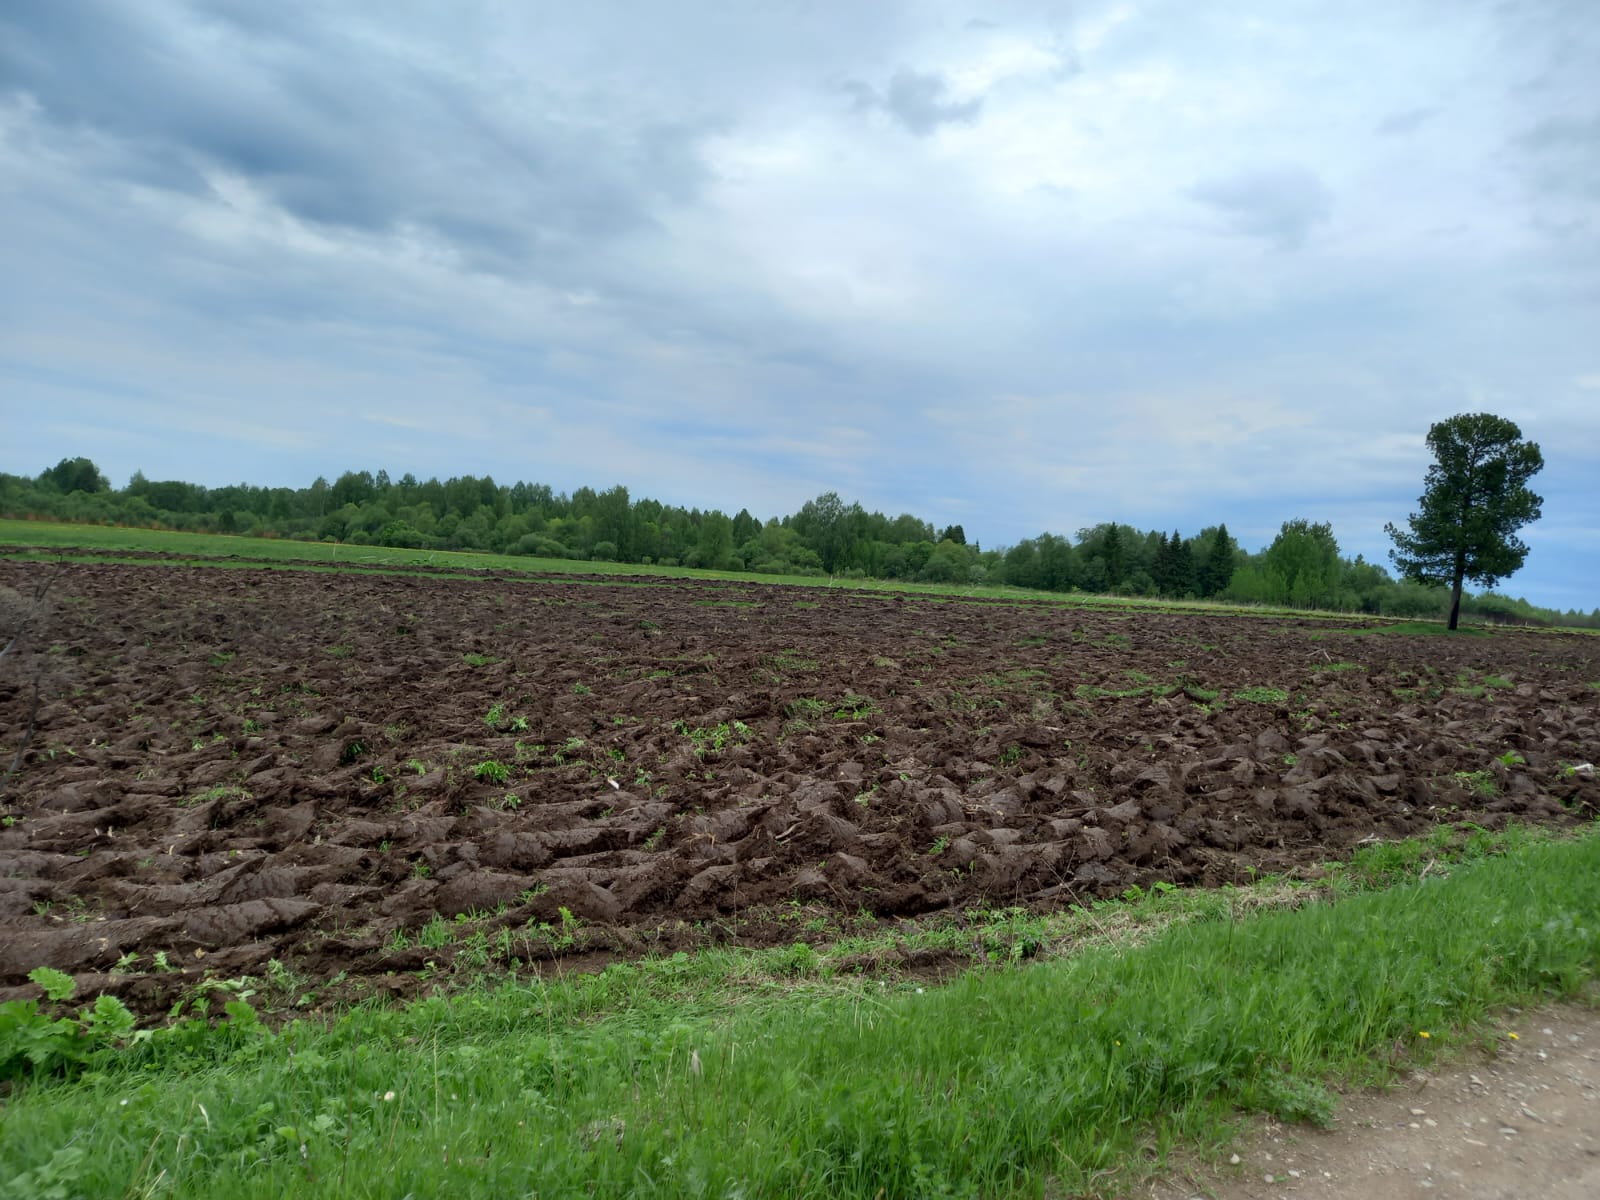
(56, 541)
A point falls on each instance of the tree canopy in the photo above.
(1303, 566)
(74, 475)
(1475, 499)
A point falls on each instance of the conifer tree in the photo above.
(1181, 570)
(1475, 499)
(1216, 572)
(1161, 566)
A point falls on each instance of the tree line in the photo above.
(1302, 567)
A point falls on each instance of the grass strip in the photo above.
(212, 549)
(1019, 1082)
(1419, 629)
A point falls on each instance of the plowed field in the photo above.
(236, 766)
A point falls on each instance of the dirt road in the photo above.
(1522, 1123)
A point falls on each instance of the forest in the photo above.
(1302, 567)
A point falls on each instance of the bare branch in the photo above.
(35, 607)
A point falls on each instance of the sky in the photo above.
(1018, 266)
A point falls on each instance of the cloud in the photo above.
(917, 101)
(338, 130)
(1406, 121)
(1279, 205)
(1014, 284)
(1565, 152)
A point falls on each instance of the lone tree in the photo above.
(1476, 499)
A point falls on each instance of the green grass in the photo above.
(1481, 783)
(48, 540)
(1262, 695)
(1421, 629)
(766, 1074)
(1089, 691)
(53, 540)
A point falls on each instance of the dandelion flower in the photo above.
(1423, 1033)
(1513, 1037)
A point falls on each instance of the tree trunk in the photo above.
(1455, 595)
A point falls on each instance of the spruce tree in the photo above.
(1161, 567)
(1217, 571)
(1115, 555)
(1182, 569)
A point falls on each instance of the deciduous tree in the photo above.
(1302, 564)
(75, 475)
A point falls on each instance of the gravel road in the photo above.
(1521, 1123)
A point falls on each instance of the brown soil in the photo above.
(238, 766)
(1523, 1122)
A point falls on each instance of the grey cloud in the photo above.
(864, 95)
(1563, 133)
(1408, 121)
(344, 130)
(1280, 205)
(915, 99)
(1565, 153)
